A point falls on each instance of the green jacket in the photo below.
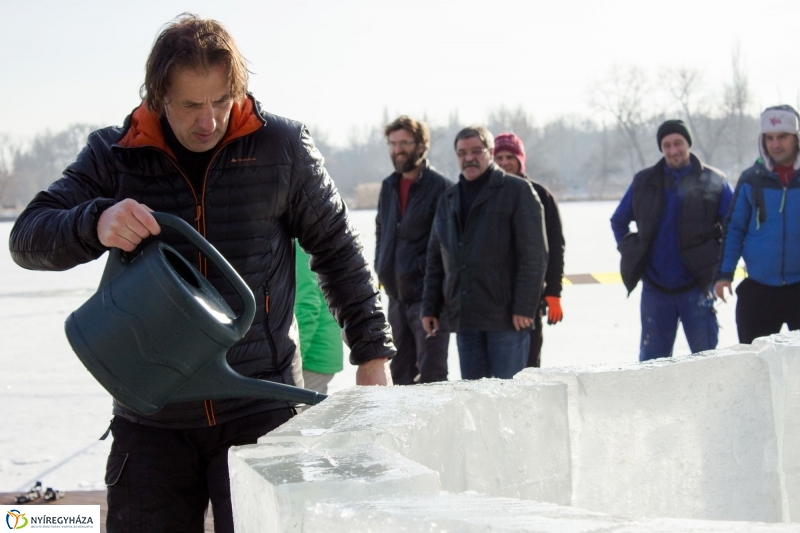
(320, 335)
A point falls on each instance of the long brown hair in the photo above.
(194, 43)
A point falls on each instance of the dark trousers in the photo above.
(492, 354)
(537, 339)
(416, 354)
(162, 479)
(762, 310)
(661, 312)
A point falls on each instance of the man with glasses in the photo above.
(405, 213)
(487, 257)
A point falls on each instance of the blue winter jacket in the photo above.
(763, 227)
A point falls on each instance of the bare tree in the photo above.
(7, 178)
(49, 154)
(622, 95)
(737, 101)
(603, 173)
(517, 121)
(685, 86)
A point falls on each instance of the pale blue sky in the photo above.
(338, 64)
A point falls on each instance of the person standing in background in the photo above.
(678, 206)
(764, 228)
(509, 154)
(487, 256)
(320, 336)
(406, 208)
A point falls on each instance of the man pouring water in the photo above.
(202, 148)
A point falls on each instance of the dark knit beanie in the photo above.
(673, 126)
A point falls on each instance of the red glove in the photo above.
(554, 312)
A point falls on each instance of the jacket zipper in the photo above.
(783, 248)
(202, 262)
(267, 331)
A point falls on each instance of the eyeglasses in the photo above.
(475, 152)
(404, 145)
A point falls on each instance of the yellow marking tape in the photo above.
(615, 277)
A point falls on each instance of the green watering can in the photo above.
(156, 331)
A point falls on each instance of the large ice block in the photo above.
(685, 437)
(679, 525)
(271, 483)
(465, 513)
(782, 352)
(499, 437)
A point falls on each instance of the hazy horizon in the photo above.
(340, 66)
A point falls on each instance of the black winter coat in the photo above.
(401, 241)
(495, 267)
(555, 241)
(265, 186)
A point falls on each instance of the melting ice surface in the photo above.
(709, 442)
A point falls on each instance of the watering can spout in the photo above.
(219, 377)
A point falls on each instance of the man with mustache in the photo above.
(405, 213)
(678, 206)
(763, 227)
(487, 257)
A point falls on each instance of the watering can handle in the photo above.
(116, 262)
(243, 321)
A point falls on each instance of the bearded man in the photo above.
(405, 214)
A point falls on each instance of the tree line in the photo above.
(576, 157)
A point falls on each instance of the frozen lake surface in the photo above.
(54, 411)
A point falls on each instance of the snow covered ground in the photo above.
(53, 411)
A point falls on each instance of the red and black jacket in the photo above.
(265, 186)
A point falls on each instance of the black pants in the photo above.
(416, 354)
(537, 339)
(162, 479)
(762, 310)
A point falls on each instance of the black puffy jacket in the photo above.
(401, 241)
(493, 268)
(265, 186)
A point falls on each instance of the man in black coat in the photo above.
(405, 213)
(487, 257)
(509, 153)
(201, 148)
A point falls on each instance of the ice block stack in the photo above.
(473, 513)
(692, 443)
(497, 437)
(782, 352)
(690, 436)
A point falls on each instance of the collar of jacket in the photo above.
(142, 127)
(759, 168)
(496, 180)
(658, 169)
